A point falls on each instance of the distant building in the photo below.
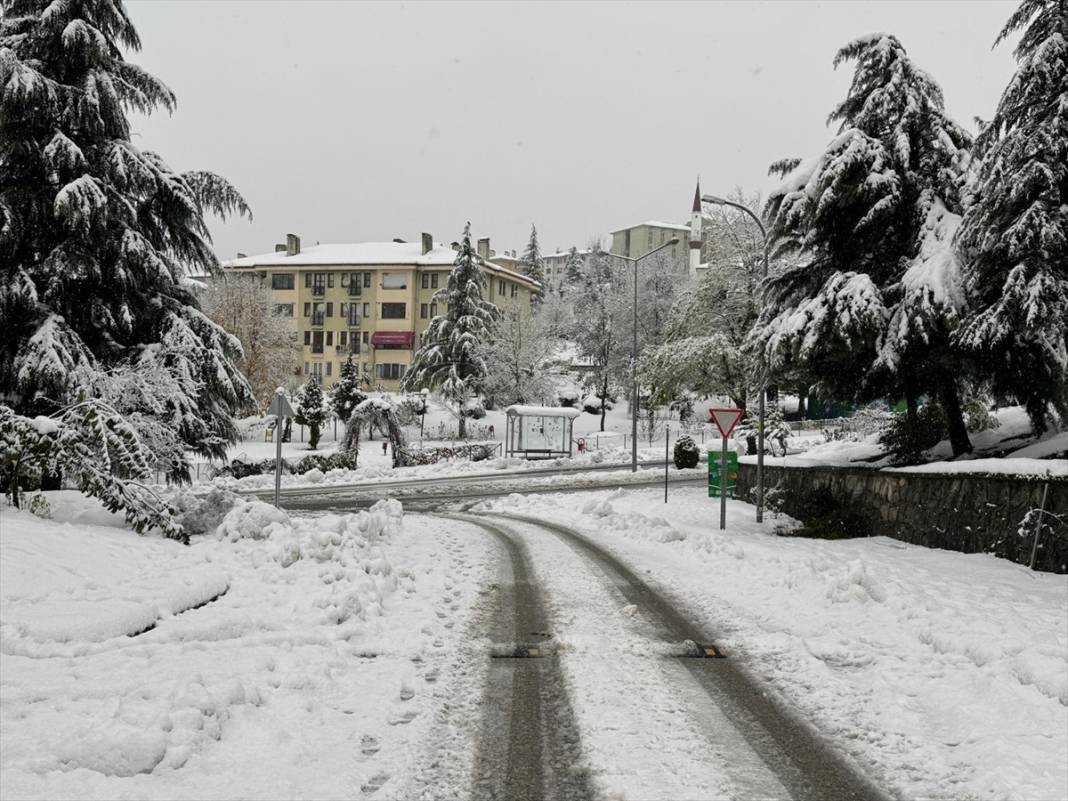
(637, 240)
(373, 300)
(556, 266)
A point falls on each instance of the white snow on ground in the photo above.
(944, 674)
(318, 674)
(1012, 465)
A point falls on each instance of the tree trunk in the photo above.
(604, 400)
(463, 423)
(958, 431)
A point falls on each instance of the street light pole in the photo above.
(719, 201)
(634, 352)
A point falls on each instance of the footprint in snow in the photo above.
(375, 783)
(369, 745)
(400, 718)
(431, 676)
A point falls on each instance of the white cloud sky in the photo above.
(360, 121)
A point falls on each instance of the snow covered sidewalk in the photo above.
(316, 673)
(945, 675)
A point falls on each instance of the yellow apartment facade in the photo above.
(373, 300)
(637, 240)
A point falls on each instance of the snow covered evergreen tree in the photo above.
(448, 360)
(573, 267)
(311, 409)
(870, 307)
(1014, 238)
(97, 236)
(533, 265)
(346, 394)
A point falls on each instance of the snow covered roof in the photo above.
(368, 253)
(653, 224)
(356, 253)
(543, 411)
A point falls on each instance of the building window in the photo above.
(394, 311)
(515, 290)
(433, 280)
(282, 281)
(330, 283)
(433, 310)
(305, 368)
(329, 338)
(329, 368)
(366, 337)
(500, 286)
(423, 309)
(394, 280)
(367, 310)
(307, 280)
(330, 309)
(343, 310)
(367, 280)
(307, 339)
(283, 310)
(317, 369)
(343, 338)
(390, 372)
(307, 310)
(426, 280)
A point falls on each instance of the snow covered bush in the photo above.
(40, 507)
(906, 439)
(474, 409)
(593, 404)
(95, 447)
(568, 396)
(686, 453)
(202, 514)
(978, 414)
(253, 520)
(475, 453)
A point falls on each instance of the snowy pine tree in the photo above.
(573, 267)
(533, 265)
(1014, 238)
(448, 360)
(311, 409)
(346, 395)
(871, 304)
(97, 236)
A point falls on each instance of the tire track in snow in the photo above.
(786, 745)
(529, 746)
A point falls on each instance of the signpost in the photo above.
(281, 409)
(725, 420)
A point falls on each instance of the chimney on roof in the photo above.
(484, 248)
(280, 248)
(455, 245)
(292, 244)
(241, 255)
(428, 243)
(398, 240)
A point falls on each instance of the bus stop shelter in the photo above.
(539, 432)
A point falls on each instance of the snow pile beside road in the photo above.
(279, 664)
(944, 674)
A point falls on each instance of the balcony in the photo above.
(317, 347)
(318, 318)
(318, 289)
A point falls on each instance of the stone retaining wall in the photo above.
(974, 512)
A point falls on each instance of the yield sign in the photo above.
(726, 419)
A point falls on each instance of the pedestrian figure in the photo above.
(383, 448)
(492, 435)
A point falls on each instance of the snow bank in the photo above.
(1008, 466)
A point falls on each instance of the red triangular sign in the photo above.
(726, 419)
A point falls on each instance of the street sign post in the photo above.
(281, 409)
(725, 420)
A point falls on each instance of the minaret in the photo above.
(695, 231)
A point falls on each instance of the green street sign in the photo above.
(714, 460)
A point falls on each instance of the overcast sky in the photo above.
(346, 122)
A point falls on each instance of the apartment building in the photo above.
(373, 300)
(639, 239)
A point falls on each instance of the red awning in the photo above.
(403, 338)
